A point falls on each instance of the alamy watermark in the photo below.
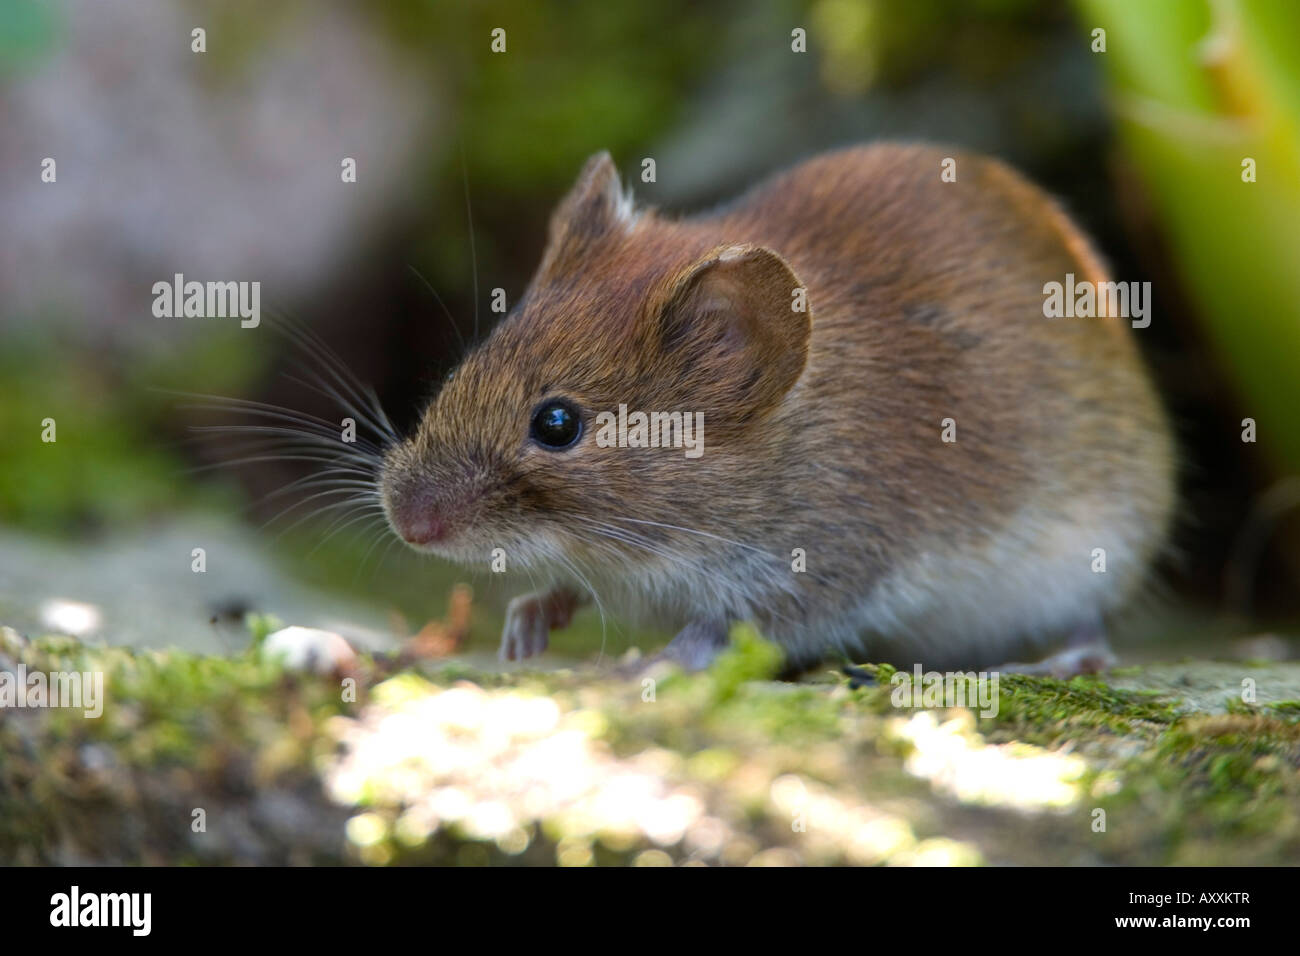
(651, 430)
(133, 911)
(74, 689)
(974, 691)
(1123, 300)
(208, 300)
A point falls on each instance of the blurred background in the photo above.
(225, 165)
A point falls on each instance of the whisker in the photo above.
(778, 561)
(291, 440)
(383, 532)
(362, 396)
(383, 555)
(342, 491)
(445, 311)
(223, 403)
(335, 485)
(573, 569)
(469, 217)
(325, 442)
(735, 593)
(365, 515)
(704, 534)
(329, 392)
(354, 469)
(353, 503)
(308, 424)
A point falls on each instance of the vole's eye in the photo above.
(556, 425)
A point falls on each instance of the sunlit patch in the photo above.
(503, 768)
(865, 834)
(490, 764)
(957, 761)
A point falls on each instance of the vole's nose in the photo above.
(422, 517)
(425, 505)
(420, 527)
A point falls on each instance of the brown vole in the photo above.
(837, 328)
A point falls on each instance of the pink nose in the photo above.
(416, 516)
(423, 517)
(421, 527)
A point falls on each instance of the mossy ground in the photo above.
(439, 762)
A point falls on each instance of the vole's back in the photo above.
(928, 302)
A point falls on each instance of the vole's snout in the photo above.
(418, 519)
(423, 511)
(424, 516)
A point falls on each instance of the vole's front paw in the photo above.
(529, 620)
(698, 643)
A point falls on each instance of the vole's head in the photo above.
(625, 309)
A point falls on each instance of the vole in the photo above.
(902, 458)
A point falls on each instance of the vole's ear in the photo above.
(736, 326)
(594, 205)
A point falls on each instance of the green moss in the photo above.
(1289, 709)
(1186, 786)
(261, 626)
(178, 732)
(240, 736)
(748, 658)
(1226, 787)
(1044, 710)
(1177, 786)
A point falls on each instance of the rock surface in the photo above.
(435, 761)
(142, 589)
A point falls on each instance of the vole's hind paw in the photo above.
(694, 648)
(1088, 652)
(530, 618)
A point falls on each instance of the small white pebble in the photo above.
(70, 617)
(309, 649)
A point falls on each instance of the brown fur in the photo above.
(822, 428)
